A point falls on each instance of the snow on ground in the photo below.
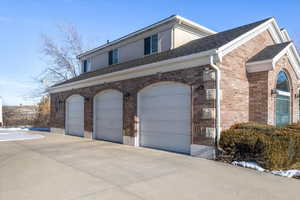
(288, 173)
(254, 165)
(14, 129)
(13, 134)
(251, 165)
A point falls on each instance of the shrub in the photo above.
(273, 148)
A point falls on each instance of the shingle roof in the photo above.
(269, 52)
(203, 44)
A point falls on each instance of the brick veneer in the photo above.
(130, 88)
(238, 87)
(247, 96)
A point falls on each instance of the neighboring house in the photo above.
(19, 115)
(175, 85)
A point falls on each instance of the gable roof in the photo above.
(269, 52)
(207, 43)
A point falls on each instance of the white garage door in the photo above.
(75, 116)
(108, 112)
(164, 111)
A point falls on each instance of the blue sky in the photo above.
(23, 21)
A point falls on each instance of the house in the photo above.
(175, 84)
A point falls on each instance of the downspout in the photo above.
(218, 101)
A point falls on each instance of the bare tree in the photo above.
(60, 57)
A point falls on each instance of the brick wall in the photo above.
(258, 96)
(237, 105)
(195, 77)
(247, 96)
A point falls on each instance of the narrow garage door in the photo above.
(75, 116)
(164, 111)
(108, 109)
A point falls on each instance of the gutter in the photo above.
(218, 101)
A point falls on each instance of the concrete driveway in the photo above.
(64, 167)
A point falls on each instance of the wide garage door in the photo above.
(75, 115)
(108, 112)
(164, 111)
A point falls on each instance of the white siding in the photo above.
(170, 35)
(133, 48)
(132, 51)
(99, 61)
(182, 36)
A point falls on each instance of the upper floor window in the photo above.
(113, 57)
(151, 44)
(86, 65)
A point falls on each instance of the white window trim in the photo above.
(158, 44)
(117, 50)
(283, 93)
(89, 65)
(118, 56)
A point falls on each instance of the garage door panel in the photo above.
(161, 114)
(165, 100)
(108, 124)
(110, 134)
(108, 108)
(179, 143)
(166, 126)
(108, 114)
(109, 104)
(166, 89)
(165, 117)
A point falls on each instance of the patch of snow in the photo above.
(251, 165)
(254, 165)
(287, 173)
(14, 129)
(14, 134)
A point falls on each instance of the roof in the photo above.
(269, 52)
(168, 19)
(210, 42)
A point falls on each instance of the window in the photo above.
(283, 100)
(113, 57)
(86, 65)
(282, 82)
(151, 44)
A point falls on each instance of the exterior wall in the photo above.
(170, 35)
(133, 48)
(238, 86)
(99, 61)
(258, 97)
(247, 96)
(282, 64)
(200, 79)
(183, 36)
